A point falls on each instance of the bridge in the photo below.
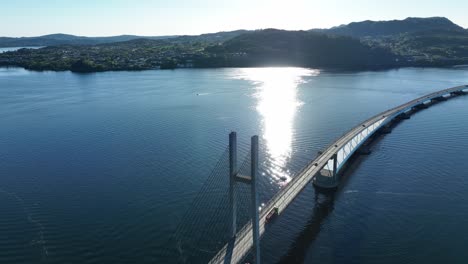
(323, 172)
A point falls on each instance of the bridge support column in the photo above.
(385, 130)
(328, 179)
(364, 150)
(404, 116)
(254, 198)
(232, 180)
(420, 106)
(439, 99)
(457, 93)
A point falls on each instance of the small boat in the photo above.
(283, 178)
(271, 215)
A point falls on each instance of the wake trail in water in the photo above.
(40, 241)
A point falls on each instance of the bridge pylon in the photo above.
(252, 180)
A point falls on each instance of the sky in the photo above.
(190, 17)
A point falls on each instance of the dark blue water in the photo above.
(100, 168)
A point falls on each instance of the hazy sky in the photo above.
(174, 17)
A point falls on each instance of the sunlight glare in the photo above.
(276, 93)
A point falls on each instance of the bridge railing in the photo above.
(343, 154)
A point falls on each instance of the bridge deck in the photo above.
(240, 245)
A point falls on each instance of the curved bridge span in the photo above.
(323, 170)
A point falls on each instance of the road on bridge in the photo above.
(237, 249)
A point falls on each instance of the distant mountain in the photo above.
(364, 29)
(218, 37)
(393, 27)
(64, 39)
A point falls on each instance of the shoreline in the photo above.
(324, 69)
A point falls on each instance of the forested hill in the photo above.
(393, 27)
(300, 48)
(434, 41)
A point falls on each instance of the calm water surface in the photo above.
(100, 168)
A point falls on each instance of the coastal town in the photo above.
(132, 55)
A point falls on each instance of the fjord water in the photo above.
(100, 168)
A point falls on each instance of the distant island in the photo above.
(419, 42)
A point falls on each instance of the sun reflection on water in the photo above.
(277, 104)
